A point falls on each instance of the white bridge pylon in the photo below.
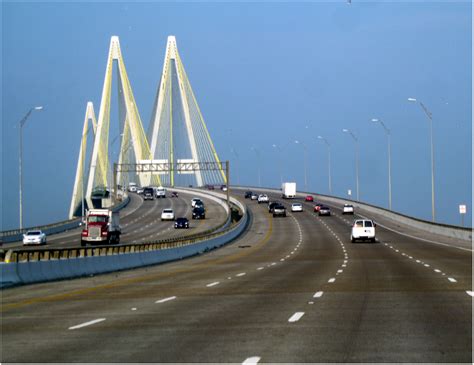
(177, 133)
(133, 136)
(177, 130)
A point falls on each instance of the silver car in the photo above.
(35, 237)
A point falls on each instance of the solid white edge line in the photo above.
(251, 360)
(87, 323)
(165, 300)
(296, 317)
(418, 238)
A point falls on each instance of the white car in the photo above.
(254, 196)
(167, 215)
(36, 237)
(132, 187)
(348, 209)
(296, 207)
(195, 201)
(363, 229)
(262, 198)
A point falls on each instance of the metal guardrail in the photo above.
(15, 234)
(30, 255)
(463, 233)
(33, 266)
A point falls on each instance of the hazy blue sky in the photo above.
(263, 73)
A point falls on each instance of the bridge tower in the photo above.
(177, 131)
(78, 191)
(133, 142)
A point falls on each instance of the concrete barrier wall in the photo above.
(17, 234)
(18, 273)
(446, 230)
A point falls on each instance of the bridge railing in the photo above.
(447, 230)
(31, 266)
(16, 234)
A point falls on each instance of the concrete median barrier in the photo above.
(79, 262)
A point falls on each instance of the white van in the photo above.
(363, 229)
(132, 187)
(160, 192)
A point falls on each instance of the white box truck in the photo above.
(288, 190)
(101, 227)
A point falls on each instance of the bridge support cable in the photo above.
(177, 131)
(134, 144)
(78, 190)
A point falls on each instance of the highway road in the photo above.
(141, 222)
(289, 289)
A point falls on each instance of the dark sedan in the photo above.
(181, 223)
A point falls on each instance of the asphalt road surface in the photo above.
(141, 222)
(290, 289)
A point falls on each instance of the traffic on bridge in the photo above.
(315, 216)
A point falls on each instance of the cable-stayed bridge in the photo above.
(173, 151)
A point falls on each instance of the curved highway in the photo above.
(289, 289)
(141, 222)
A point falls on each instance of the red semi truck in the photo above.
(101, 227)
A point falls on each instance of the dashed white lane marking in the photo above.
(426, 265)
(251, 360)
(133, 309)
(165, 300)
(453, 280)
(319, 294)
(339, 271)
(87, 323)
(229, 278)
(469, 292)
(332, 280)
(296, 317)
(241, 274)
(437, 270)
(273, 264)
(213, 284)
(282, 260)
(260, 268)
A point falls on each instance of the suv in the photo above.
(363, 229)
(279, 210)
(262, 198)
(199, 213)
(148, 194)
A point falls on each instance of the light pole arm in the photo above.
(427, 112)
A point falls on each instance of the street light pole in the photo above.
(329, 162)
(305, 163)
(232, 149)
(257, 152)
(430, 117)
(20, 162)
(357, 158)
(389, 146)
